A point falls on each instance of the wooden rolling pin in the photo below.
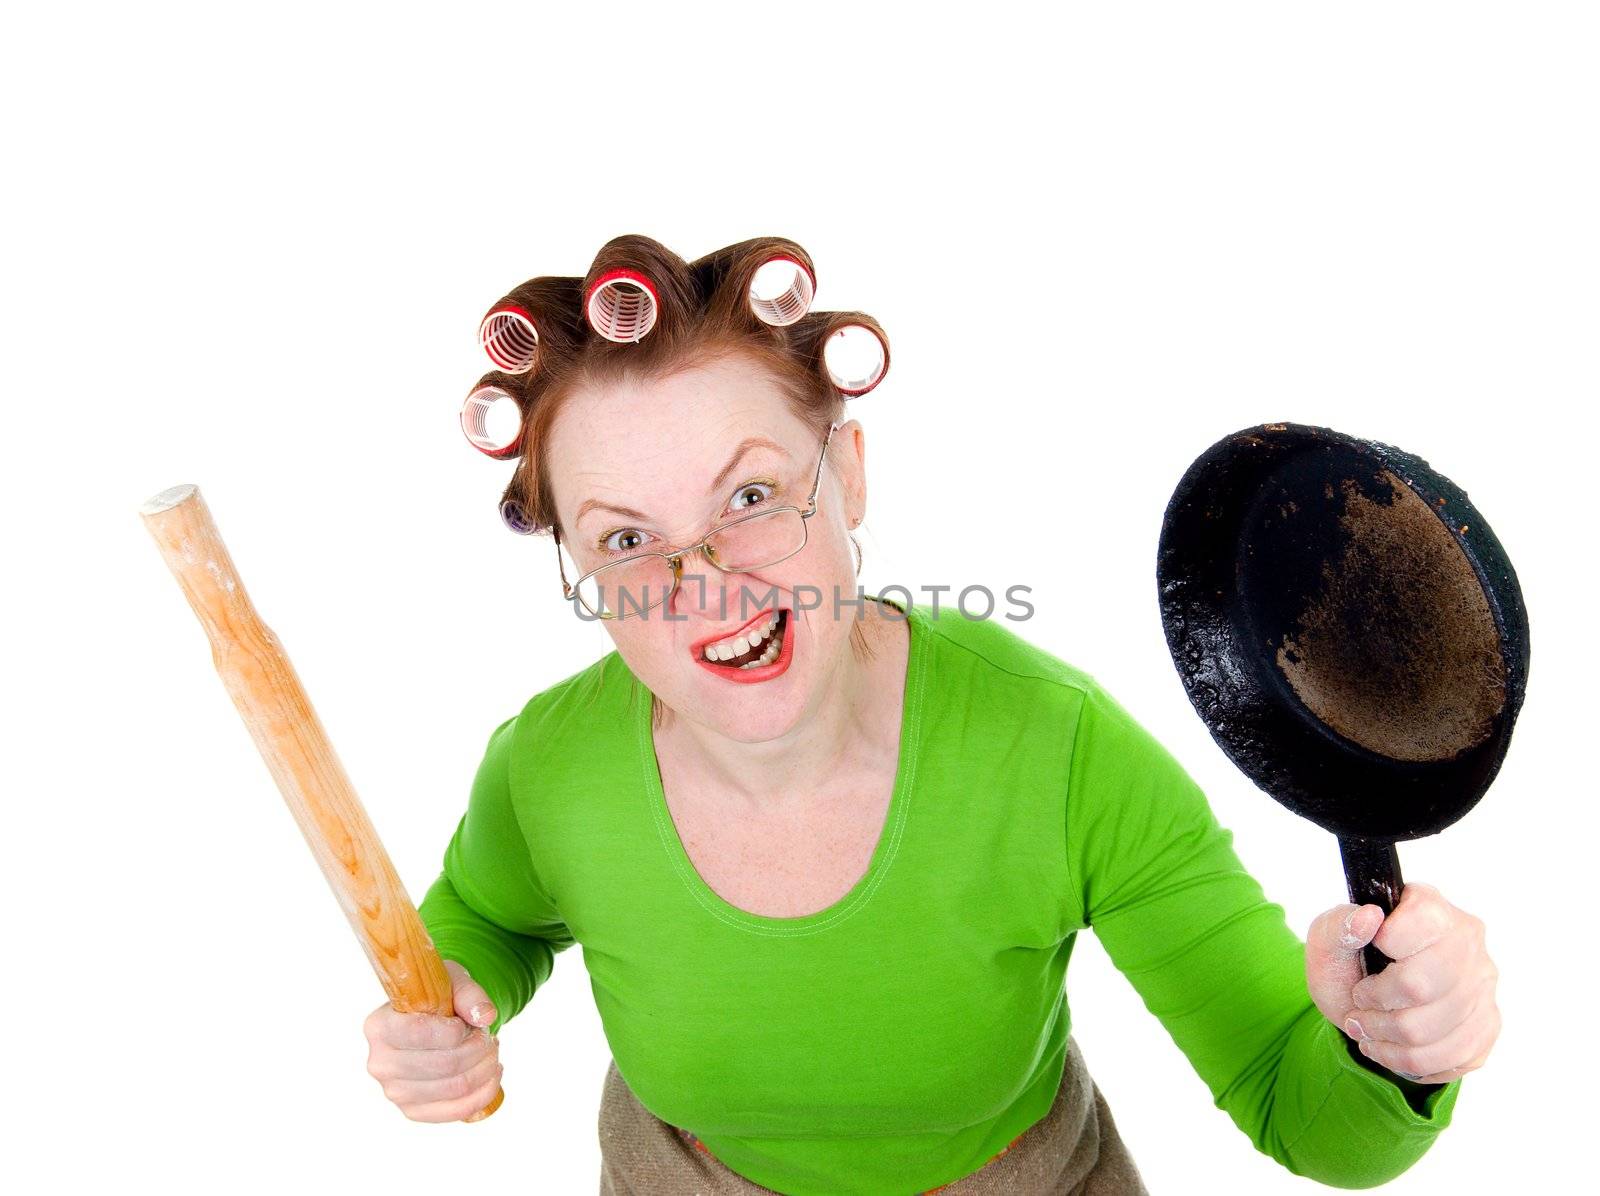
(263, 684)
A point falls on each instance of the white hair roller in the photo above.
(491, 418)
(781, 290)
(856, 358)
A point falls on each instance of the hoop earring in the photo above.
(857, 547)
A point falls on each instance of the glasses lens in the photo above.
(628, 587)
(758, 541)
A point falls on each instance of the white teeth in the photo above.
(766, 657)
(728, 649)
(745, 641)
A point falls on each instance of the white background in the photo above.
(248, 248)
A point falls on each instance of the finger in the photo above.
(1425, 975)
(1421, 918)
(1461, 1069)
(375, 1022)
(455, 1110)
(444, 1089)
(1333, 946)
(1414, 1025)
(1342, 931)
(425, 1031)
(472, 1003)
(1438, 1077)
(399, 1064)
(1459, 1045)
(1473, 1064)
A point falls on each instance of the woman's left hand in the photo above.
(1430, 1015)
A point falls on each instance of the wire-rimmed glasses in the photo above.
(644, 580)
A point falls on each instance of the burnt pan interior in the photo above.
(1351, 644)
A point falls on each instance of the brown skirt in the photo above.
(1073, 1150)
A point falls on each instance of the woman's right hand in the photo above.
(434, 1067)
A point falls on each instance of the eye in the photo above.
(622, 541)
(750, 495)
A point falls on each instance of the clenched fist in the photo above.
(434, 1067)
(1430, 1015)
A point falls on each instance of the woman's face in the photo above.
(653, 466)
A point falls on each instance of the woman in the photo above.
(828, 860)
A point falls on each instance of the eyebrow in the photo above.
(745, 446)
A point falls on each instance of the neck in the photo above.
(853, 726)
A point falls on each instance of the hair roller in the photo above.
(781, 290)
(513, 516)
(621, 305)
(849, 347)
(491, 418)
(856, 357)
(634, 285)
(773, 278)
(510, 337)
(535, 316)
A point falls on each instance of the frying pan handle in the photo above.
(1372, 872)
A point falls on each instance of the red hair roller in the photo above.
(510, 338)
(621, 305)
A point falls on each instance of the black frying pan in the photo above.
(1350, 630)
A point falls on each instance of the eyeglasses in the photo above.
(756, 541)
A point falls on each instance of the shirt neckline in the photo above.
(889, 837)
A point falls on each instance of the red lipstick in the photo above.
(764, 672)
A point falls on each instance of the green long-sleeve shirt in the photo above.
(901, 1037)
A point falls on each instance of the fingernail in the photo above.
(1353, 1028)
(480, 1013)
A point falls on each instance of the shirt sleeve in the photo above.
(488, 910)
(1218, 965)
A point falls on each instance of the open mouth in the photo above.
(755, 645)
(761, 650)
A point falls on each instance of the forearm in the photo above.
(1346, 1123)
(509, 966)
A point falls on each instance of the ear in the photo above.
(850, 457)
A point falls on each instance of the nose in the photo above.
(704, 591)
